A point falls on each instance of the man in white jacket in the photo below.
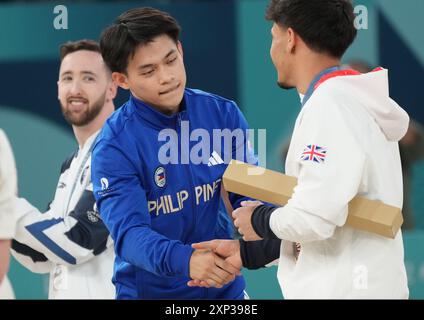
(344, 144)
(8, 189)
(70, 241)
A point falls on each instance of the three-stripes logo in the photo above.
(215, 159)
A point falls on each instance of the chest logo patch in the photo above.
(160, 177)
(105, 183)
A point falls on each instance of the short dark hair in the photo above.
(326, 26)
(73, 46)
(132, 29)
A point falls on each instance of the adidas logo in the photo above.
(215, 159)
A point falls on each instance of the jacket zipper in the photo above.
(191, 180)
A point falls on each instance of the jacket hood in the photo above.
(391, 118)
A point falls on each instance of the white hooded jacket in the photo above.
(8, 188)
(69, 240)
(344, 144)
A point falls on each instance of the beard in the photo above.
(285, 86)
(84, 117)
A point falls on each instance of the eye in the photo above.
(172, 60)
(89, 78)
(148, 73)
(67, 78)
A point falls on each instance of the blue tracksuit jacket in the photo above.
(155, 210)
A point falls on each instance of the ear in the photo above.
(291, 37)
(121, 80)
(58, 90)
(180, 48)
(112, 90)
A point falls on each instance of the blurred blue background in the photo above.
(226, 49)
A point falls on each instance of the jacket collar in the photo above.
(315, 80)
(326, 75)
(154, 116)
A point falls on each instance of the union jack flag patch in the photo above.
(314, 153)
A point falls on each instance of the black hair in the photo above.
(326, 26)
(134, 28)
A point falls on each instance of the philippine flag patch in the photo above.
(314, 153)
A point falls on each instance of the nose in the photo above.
(75, 88)
(165, 76)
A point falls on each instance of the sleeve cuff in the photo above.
(260, 221)
(180, 257)
(257, 254)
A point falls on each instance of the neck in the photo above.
(311, 67)
(166, 111)
(82, 133)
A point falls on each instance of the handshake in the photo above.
(217, 262)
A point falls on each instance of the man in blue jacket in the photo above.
(158, 163)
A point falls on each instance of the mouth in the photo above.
(76, 103)
(169, 90)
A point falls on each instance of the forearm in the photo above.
(260, 221)
(290, 224)
(56, 238)
(296, 225)
(257, 254)
(151, 251)
(4, 257)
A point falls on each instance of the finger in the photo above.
(210, 245)
(228, 278)
(204, 284)
(226, 266)
(197, 283)
(235, 214)
(193, 283)
(236, 223)
(225, 276)
(250, 203)
(223, 270)
(209, 269)
(217, 277)
(211, 276)
(249, 238)
(213, 284)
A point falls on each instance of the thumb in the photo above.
(211, 245)
(250, 203)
